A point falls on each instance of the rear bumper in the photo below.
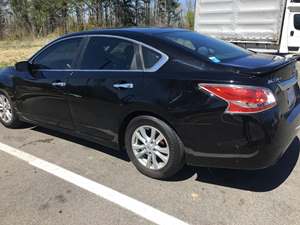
(244, 141)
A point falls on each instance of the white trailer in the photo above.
(269, 26)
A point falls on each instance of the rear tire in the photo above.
(154, 147)
(8, 115)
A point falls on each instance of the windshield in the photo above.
(212, 49)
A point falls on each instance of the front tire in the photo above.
(8, 115)
(154, 147)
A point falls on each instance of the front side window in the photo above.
(59, 56)
(297, 21)
(210, 48)
(104, 53)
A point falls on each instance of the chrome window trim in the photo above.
(88, 70)
(163, 60)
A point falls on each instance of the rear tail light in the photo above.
(242, 99)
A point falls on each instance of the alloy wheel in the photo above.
(5, 109)
(150, 147)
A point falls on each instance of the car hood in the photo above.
(5, 70)
(259, 64)
(6, 73)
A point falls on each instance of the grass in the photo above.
(12, 51)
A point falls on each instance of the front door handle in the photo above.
(125, 86)
(59, 84)
(292, 33)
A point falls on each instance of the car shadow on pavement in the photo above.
(93, 146)
(263, 180)
(257, 180)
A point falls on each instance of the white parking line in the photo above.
(133, 205)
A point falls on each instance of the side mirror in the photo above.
(23, 66)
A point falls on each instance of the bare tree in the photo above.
(43, 17)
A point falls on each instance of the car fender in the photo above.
(7, 81)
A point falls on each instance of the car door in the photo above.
(294, 32)
(109, 78)
(41, 93)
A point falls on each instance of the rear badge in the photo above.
(274, 80)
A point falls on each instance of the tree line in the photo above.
(19, 18)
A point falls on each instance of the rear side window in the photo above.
(59, 56)
(104, 53)
(297, 21)
(150, 57)
(184, 42)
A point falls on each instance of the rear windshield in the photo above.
(212, 49)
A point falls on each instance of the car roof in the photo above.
(148, 31)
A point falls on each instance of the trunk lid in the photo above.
(264, 65)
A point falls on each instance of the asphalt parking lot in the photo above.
(32, 196)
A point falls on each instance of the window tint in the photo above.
(110, 54)
(212, 49)
(150, 57)
(297, 21)
(59, 56)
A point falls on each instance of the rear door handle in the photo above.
(125, 85)
(59, 84)
(292, 33)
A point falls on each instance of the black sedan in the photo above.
(168, 96)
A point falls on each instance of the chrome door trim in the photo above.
(125, 85)
(163, 60)
(59, 84)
